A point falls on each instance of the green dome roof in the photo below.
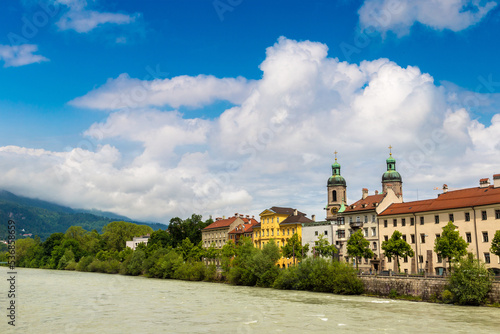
(336, 180)
(391, 176)
(391, 160)
(335, 165)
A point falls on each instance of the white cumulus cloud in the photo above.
(274, 147)
(82, 20)
(400, 15)
(127, 92)
(20, 55)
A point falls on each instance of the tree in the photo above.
(293, 248)
(323, 248)
(397, 247)
(358, 247)
(495, 244)
(117, 233)
(450, 245)
(470, 281)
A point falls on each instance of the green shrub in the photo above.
(469, 282)
(447, 297)
(83, 264)
(393, 293)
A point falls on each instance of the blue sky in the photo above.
(157, 109)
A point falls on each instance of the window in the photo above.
(440, 259)
(389, 259)
(438, 235)
(316, 232)
(267, 232)
(422, 238)
(278, 219)
(405, 259)
(497, 214)
(293, 231)
(468, 236)
(272, 232)
(366, 219)
(412, 221)
(350, 219)
(487, 257)
(340, 221)
(278, 243)
(403, 237)
(341, 233)
(467, 216)
(485, 237)
(403, 221)
(287, 231)
(395, 222)
(365, 230)
(373, 218)
(334, 196)
(374, 231)
(421, 220)
(272, 220)
(326, 232)
(358, 219)
(412, 238)
(386, 237)
(421, 258)
(484, 216)
(436, 219)
(385, 222)
(277, 232)
(451, 217)
(374, 245)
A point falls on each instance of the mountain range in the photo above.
(42, 218)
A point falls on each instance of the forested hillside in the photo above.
(43, 218)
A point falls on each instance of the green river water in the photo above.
(50, 301)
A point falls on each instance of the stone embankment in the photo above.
(427, 288)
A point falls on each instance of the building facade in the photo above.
(217, 233)
(279, 224)
(137, 240)
(474, 211)
(311, 232)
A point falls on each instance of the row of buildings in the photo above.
(474, 211)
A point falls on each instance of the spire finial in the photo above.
(390, 150)
(335, 155)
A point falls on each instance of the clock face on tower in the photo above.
(334, 210)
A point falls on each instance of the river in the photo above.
(50, 301)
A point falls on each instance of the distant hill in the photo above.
(42, 218)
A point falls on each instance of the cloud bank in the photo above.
(274, 147)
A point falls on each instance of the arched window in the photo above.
(334, 196)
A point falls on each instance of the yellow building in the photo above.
(279, 224)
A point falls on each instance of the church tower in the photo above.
(336, 192)
(392, 179)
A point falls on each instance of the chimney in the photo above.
(376, 192)
(295, 212)
(236, 214)
(313, 218)
(483, 183)
(445, 188)
(223, 217)
(365, 193)
(496, 180)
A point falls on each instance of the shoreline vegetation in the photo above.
(178, 254)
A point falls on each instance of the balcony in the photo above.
(356, 225)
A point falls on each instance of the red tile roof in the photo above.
(244, 228)
(455, 199)
(227, 222)
(365, 204)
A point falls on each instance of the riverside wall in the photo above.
(426, 288)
